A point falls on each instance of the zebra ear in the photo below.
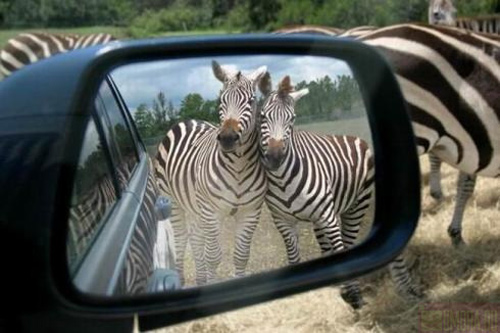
(296, 95)
(265, 84)
(219, 72)
(257, 75)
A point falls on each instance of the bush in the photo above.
(152, 23)
(236, 19)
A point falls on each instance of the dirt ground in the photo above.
(466, 275)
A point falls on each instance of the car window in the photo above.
(117, 133)
(93, 196)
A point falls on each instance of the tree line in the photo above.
(150, 17)
(327, 100)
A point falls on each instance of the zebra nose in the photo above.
(227, 139)
(273, 157)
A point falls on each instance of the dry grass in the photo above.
(467, 275)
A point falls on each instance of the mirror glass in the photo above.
(195, 171)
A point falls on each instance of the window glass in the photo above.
(118, 132)
(93, 196)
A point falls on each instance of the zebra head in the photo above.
(237, 105)
(442, 12)
(277, 118)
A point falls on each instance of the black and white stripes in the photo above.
(322, 179)
(28, 48)
(451, 81)
(213, 173)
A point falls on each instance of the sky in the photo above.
(141, 82)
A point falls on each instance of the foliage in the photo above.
(154, 17)
(329, 100)
(156, 120)
(176, 18)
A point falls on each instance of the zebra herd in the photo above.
(450, 78)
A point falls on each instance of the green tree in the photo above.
(194, 107)
(144, 121)
(263, 12)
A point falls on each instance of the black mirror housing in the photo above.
(61, 88)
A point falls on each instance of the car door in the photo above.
(113, 223)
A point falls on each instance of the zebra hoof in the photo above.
(415, 293)
(353, 298)
(437, 195)
(456, 238)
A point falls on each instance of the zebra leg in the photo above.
(178, 223)
(329, 237)
(465, 188)
(244, 233)
(435, 177)
(211, 228)
(288, 231)
(401, 277)
(198, 243)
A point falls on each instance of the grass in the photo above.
(466, 275)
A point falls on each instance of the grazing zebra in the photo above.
(451, 80)
(323, 179)
(212, 173)
(28, 48)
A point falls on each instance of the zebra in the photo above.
(467, 56)
(323, 179)
(212, 173)
(450, 79)
(28, 48)
(443, 12)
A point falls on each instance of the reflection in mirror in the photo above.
(242, 148)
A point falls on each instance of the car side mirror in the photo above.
(84, 86)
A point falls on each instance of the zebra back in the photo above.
(451, 81)
(309, 29)
(27, 48)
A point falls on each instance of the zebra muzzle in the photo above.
(273, 158)
(228, 140)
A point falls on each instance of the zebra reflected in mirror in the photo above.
(27, 48)
(214, 173)
(325, 180)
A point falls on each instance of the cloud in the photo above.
(141, 82)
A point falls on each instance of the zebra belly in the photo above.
(301, 209)
(229, 203)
